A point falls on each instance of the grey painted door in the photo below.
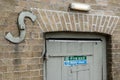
(57, 51)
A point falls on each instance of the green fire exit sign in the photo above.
(75, 60)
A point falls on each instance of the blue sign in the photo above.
(75, 60)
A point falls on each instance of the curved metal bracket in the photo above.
(21, 27)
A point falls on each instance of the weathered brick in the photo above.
(17, 75)
(1, 55)
(7, 62)
(10, 68)
(25, 74)
(33, 66)
(3, 68)
(41, 72)
(36, 78)
(27, 78)
(1, 76)
(35, 73)
(37, 48)
(17, 61)
(20, 68)
(8, 76)
(36, 54)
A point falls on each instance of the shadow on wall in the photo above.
(109, 58)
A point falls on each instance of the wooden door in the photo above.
(89, 68)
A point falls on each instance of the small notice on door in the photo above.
(75, 60)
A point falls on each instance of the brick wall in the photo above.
(23, 61)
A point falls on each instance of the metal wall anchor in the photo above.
(21, 27)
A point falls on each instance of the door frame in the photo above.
(76, 35)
